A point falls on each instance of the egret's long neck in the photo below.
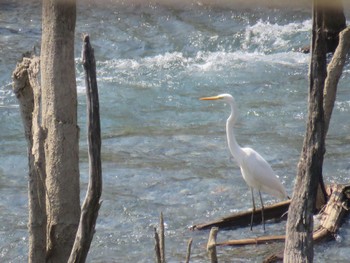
(235, 149)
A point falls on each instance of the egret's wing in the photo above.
(258, 173)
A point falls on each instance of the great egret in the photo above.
(256, 171)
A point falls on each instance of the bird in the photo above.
(255, 170)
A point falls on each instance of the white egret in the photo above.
(256, 171)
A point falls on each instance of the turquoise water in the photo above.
(163, 149)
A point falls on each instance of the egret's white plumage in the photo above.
(256, 171)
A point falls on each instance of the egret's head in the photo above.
(224, 97)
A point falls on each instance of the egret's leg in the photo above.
(262, 210)
(251, 220)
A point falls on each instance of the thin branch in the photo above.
(334, 71)
(162, 238)
(157, 246)
(188, 254)
(92, 202)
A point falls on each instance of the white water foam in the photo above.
(265, 35)
(203, 61)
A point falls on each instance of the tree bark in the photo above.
(59, 121)
(299, 243)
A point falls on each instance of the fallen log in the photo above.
(276, 211)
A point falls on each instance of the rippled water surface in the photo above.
(163, 149)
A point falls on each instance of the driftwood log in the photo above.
(331, 217)
(242, 219)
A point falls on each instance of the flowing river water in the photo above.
(163, 149)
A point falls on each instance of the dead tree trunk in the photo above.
(59, 121)
(27, 89)
(299, 243)
(50, 120)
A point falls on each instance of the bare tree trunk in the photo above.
(299, 243)
(59, 121)
(27, 89)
